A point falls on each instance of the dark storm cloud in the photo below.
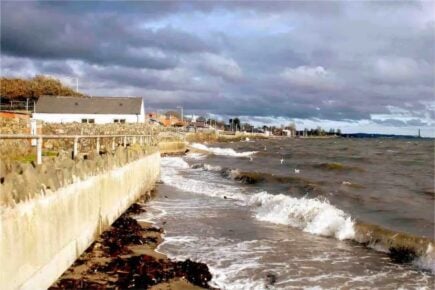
(157, 9)
(329, 60)
(96, 38)
(49, 67)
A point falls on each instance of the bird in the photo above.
(282, 160)
(297, 171)
(250, 158)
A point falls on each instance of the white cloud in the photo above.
(396, 69)
(221, 66)
(317, 78)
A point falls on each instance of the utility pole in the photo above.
(77, 82)
(182, 118)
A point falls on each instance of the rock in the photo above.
(270, 279)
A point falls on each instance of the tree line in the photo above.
(16, 89)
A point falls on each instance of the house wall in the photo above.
(99, 118)
(142, 113)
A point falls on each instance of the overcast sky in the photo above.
(358, 66)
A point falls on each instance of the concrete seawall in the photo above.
(40, 238)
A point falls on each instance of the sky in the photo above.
(361, 66)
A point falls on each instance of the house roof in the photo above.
(95, 105)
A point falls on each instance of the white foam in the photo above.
(212, 167)
(222, 151)
(196, 156)
(174, 163)
(311, 215)
(228, 260)
(427, 261)
(170, 175)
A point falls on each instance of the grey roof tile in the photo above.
(88, 105)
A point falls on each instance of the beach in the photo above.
(125, 256)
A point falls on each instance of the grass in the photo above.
(31, 157)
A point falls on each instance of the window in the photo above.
(118, 120)
(84, 120)
(122, 120)
(90, 121)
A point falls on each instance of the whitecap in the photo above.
(222, 151)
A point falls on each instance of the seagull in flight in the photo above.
(297, 171)
(282, 160)
(250, 158)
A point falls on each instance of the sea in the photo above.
(286, 213)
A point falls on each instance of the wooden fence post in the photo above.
(113, 144)
(125, 141)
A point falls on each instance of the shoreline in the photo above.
(125, 256)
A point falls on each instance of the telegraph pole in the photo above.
(182, 118)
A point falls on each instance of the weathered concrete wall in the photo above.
(172, 147)
(21, 181)
(40, 238)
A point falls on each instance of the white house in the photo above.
(100, 110)
(288, 133)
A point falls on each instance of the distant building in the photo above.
(172, 118)
(199, 122)
(99, 110)
(288, 133)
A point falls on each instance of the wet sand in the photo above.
(125, 256)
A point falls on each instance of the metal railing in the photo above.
(17, 105)
(140, 139)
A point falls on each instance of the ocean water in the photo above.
(303, 213)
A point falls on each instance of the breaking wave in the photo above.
(222, 151)
(314, 216)
(311, 215)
